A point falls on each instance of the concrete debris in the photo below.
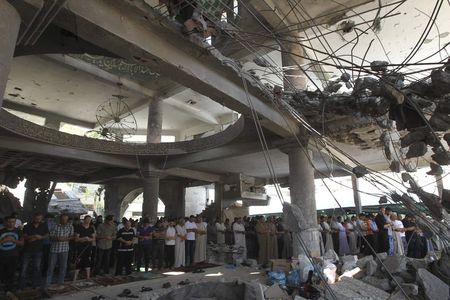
(417, 150)
(379, 66)
(434, 288)
(410, 289)
(436, 169)
(395, 281)
(415, 136)
(440, 121)
(275, 292)
(371, 268)
(395, 166)
(356, 273)
(442, 158)
(441, 268)
(345, 77)
(347, 26)
(417, 263)
(440, 81)
(331, 256)
(395, 264)
(351, 289)
(407, 277)
(382, 256)
(363, 261)
(359, 171)
(381, 283)
(447, 138)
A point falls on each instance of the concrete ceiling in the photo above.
(42, 83)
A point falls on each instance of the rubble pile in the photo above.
(389, 277)
(419, 111)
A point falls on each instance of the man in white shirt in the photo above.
(169, 250)
(239, 236)
(191, 229)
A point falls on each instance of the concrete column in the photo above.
(356, 196)
(9, 29)
(52, 123)
(112, 201)
(151, 197)
(150, 180)
(302, 190)
(154, 124)
(294, 77)
(301, 172)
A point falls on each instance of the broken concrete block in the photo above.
(447, 138)
(360, 171)
(395, 166)
(436, 169)
(356, 273)
(331, 256)
(362, 262)
(442, 158)
(417, 150)
(275, 292)
(412, 137)
(381, 283)
(371, 268)
(440, 121)
(395, 281)
(435, 289)
(440, 81)
(417, 263)
(395, 264)
(407, 277)
(379, 66)
(347, 266)
(410, 289)
(352, 289)
(348, 262)
(442, 268)
(381, 256)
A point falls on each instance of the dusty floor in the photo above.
(211, 274)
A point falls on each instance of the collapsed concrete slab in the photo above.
(434, 288)
(351, 289)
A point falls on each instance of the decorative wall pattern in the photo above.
(28, 129)
(118, 66)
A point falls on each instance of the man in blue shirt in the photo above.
(10, 239)
(144, 234)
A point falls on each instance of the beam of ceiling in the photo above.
(194, 174)
(223, 152)
(169, 54)
(45, 114)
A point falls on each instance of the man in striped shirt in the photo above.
(125, 238)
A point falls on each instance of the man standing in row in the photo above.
(191, 229)
(59, 250)
(10, 238)
(34, 234)
(106, 233)
(125, 238)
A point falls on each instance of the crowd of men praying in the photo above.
(42, 252)
(387, 231)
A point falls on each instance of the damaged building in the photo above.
(159, 97)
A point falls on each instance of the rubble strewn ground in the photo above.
(382, 278)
